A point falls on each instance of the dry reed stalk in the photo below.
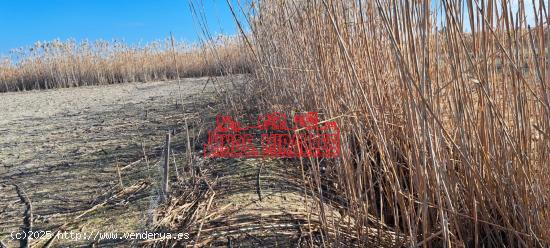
(58, 64)
(450, 143)
(119, 174)
(166, 170)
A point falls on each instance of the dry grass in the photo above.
(445, 133)
(59, 64)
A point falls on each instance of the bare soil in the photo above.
(89, 160)
(65, 148)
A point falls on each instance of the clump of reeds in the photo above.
(67, 64)
(445, 125)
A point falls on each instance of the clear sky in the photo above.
(23, 22)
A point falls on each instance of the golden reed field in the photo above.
(61, 64)
(444, 108)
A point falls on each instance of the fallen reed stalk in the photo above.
(28, 219)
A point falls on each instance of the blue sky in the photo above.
(23, 22)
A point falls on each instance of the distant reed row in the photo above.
(56, 64)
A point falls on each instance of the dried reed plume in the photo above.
(445, 124)
(59, 64)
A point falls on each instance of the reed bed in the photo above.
(58, 64)
(444, 108)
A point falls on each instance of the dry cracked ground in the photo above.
(76, 148)
(88, 159)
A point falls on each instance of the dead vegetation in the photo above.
(61, 64)
(445, 125)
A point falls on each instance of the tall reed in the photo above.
(445, 124)
(67, 64)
